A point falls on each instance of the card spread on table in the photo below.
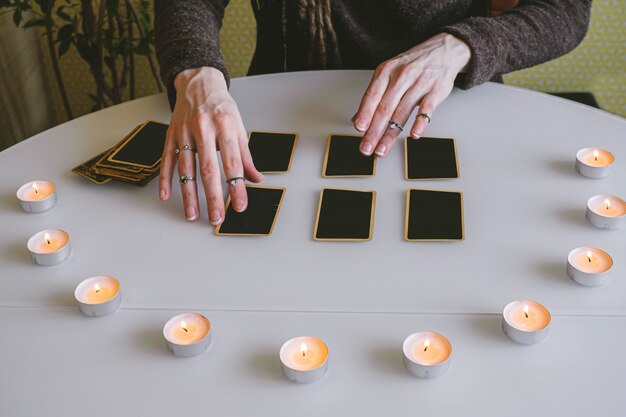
(147, 137)
(434, 215)
(259, 217)
(430, 158)
(143, 147)
(272, 152)
(344, 159)
(345, 215)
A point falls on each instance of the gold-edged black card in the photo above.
(433, 215)
(343, 158)
(345, 215)
(143, 148)
(259, 217)
(85, 170)
(430, 158)
(272, 152)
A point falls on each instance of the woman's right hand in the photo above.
(206, 119)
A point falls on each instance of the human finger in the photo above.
(249, 170)
(372, 96)
(427, 107)
(168, 160)
(233, 166)
(187, 176)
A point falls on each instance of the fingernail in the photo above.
(239, 205)
(415, 135)
(215, 217)
(366, 148)
(361, 125)
(380, 151)
(191, 213)
(162, 195)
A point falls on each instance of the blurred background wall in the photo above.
(30, 103)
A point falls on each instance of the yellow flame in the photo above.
(525, 309)
(303, 349)
(596, 155)
(35, 189)
(426, 344)
(607, 204)
(47, 237)
(183, 325)
(96, 287)
(589, 255)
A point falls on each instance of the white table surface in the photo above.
(524, 211)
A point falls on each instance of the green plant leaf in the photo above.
(65, 33)
(34, 22)
(43, 5)
(63, 15)
(17, 16)
(64, 46)
(86, 51)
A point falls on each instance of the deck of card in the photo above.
(136, 159)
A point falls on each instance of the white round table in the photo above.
(524, 211)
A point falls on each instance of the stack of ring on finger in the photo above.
(184, 178)
(185, 148)
(233, 181)
(424, 115)
(394, 125)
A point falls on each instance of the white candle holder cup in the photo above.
(308, 372)
(188, 334)
(101, 300)
(49, 247)
(37, 196)
(517, 332)
(606, 212)
(589, 266)
(427, 368)
(594, 163)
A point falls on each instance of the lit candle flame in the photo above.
(596, 155)
(607, 204)
(47, 237)
(426, 344)
(35, 189)
(525, 309)
(96, 287)
(589, 254)
(183, 325)
(303, 349)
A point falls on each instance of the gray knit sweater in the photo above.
(371, 31)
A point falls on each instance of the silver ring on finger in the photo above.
(394, 125)
(233, 181)
(424, 115)
(185, 148)
(184, 179)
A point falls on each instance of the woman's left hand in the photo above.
(422, 76)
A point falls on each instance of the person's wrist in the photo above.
(459, 52)
(183, 78)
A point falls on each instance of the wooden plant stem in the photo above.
(155, 74)
(55, 61)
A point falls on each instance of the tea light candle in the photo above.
(606, 212)
(427, 354)
(49, 247)
(594, 162)
(98, 296)
(37, 196)
(526, 322)
(589, 266)
(304, 359)
(187, 334)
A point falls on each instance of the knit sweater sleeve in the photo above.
(533, 32)
(187, 36)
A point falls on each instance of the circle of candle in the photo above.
(589, 266)
(37, 196)
(594, 162)
(606, 212)
(304, 359)
(526, 322)
(427, 354)
(49, 247)
(98, 296)
(187, 334)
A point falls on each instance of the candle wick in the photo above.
(526, 314)
(185, 329)
(425, 347)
